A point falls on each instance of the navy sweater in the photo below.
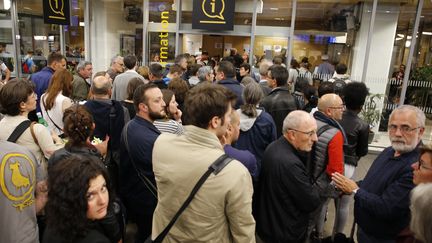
(381, 207)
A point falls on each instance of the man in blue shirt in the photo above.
(137, 181)
(381, 207)
(42, 78)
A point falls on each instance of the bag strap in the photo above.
(143, 178)
(214, 168)
(47, 111)
(18, 131)
(33, 133)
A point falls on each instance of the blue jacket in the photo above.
(256, 134)
(141, 135)
(245, 157)
(41, 81)
(381, 207)
(235, 87)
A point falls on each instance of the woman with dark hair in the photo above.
(56, 99)
(257, 128)
(310, 98)
(128, 102)
(180, 88)
(17, 99)
(78, 199)
(172, 122)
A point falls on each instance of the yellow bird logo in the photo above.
(18, 180)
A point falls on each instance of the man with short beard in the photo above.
(137, 181)
(381, 207)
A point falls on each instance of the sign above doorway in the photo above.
(56, 12)
(214, 15)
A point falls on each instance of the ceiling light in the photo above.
(81, 24)
(40, 37)
(27, 8)
(427, 33)
(407, 43)
(274, 9)
(6, 4)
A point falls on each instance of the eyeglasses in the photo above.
(121, 64)
(403, 128)
(421, 165)
(310, 133)
(34, 95)
(342, 107)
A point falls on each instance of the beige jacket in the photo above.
(221, 211)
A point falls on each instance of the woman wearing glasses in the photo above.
(421, 197)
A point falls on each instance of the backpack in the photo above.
(302, 81)
(339, 84)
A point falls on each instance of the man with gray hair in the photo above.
(117, 67)
(286, 195)
(205, 74)
(80, 85)
(381, 207)
(263, 71)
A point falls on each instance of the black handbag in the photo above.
(214, 168)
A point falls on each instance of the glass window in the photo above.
(116, 29)
(74, 34)
(6, 45)
(162, 27)
(37, 39)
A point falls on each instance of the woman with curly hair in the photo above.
(78, 127)
(172, 122)
(78, 199)
(56, 99)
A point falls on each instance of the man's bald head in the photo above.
(101, 85)
(331, 105)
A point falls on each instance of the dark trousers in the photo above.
(363, 237)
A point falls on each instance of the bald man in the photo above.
(328, 156)
(109, 117)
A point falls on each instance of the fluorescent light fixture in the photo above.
(387, 11)
(401, 36)
(6, 4)
(81, 24)
(274, 9)
(51, 38)
(427, 33)
(341, 39)
(398, 38)
(407, 43)
(39, 37)
(27, 8)
(409, 37)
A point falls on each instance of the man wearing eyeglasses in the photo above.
(286, 194)
(117, 67)
(381, 207)
(328, 155)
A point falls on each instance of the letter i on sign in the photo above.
(213, 4)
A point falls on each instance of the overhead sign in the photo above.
(213, 14)
(56, 12)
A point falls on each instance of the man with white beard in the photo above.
(381, 207)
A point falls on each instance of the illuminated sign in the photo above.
(213, 14)
(56, 12)
(163, 35)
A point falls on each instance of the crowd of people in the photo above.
(83, 154)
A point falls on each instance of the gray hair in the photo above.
(264, 67)
(421, 212)
(294, 120)
(115, 59)
(252, 95)
(82, 64)
(420, 115)
(203, 72)
(247, 80)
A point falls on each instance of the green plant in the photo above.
(422, 74)
(370, 113)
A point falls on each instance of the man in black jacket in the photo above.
(286, 195)
(279, 101)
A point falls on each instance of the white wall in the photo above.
(381, 46)
(192, 43)
(107, 25)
